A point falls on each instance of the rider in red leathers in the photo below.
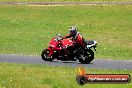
(76, 37)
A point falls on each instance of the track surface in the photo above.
(96, 63)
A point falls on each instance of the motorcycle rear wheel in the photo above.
(86, 57)
(44, 55)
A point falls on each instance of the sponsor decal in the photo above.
(83, 78)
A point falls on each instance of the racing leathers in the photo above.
(77, 39)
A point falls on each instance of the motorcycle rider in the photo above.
(75, 36)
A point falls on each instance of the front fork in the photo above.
(50, 54)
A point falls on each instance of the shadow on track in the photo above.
(69, 62)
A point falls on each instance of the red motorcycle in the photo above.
(68, 50)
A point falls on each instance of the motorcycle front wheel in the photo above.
(45, 54)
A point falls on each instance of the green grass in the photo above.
(28, 29)
(42, 76)
(65, 0)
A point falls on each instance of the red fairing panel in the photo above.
(67, 42)
(53, 43)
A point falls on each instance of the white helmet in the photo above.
(73, 30)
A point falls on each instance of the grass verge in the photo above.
(42, 76)
(64, 0)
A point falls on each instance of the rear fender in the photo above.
(91, 44)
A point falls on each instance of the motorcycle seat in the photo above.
(89, 42)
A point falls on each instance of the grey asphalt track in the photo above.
(67, 3)
(96, 63)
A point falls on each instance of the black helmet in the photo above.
(73, 30)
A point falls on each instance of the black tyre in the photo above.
(81, 80)
(45, 54)
(86, 57)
